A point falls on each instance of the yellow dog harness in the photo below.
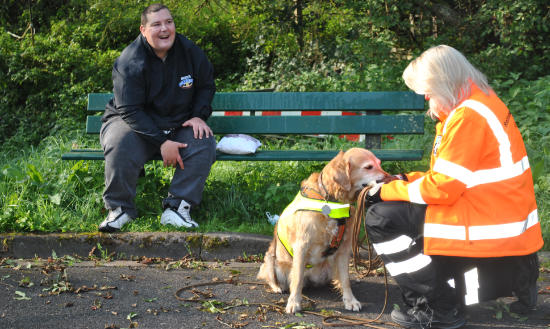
(334, 210)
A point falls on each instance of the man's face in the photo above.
(160, 31)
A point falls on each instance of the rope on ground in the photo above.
(357, 244)
(345, 320)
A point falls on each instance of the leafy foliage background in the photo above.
(279, 44)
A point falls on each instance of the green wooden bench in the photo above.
(382, 109)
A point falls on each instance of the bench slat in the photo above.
(269, 155)
(97, 101)
(365, 124)
(299, 101)
(323, 101)
(370, 125)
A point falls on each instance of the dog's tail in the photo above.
(267, 270)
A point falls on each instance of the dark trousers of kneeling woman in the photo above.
(443, 283)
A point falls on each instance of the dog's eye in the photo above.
(369, 167)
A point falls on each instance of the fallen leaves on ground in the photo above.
(232, 324)
(127, 277)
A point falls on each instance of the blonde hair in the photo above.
(444, 74)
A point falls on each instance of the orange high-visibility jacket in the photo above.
(479, 188)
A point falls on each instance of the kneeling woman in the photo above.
(466, 230)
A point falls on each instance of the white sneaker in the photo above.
(114, 221)
(179, 217)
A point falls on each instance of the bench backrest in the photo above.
(369, 102)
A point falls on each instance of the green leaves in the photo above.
(213, 306)
(19, 295)
(34, 175)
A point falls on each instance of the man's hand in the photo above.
(200, 128)
(170, 152)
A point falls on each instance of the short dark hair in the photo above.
(151, 9)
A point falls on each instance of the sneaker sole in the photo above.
(108, 229)
(184, 225)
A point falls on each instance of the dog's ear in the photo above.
(338, 171)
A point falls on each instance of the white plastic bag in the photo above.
(272, 219)
(238, 144)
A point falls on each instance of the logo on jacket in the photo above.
(186, 82)
(436, 144)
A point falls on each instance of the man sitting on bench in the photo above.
(163, 87)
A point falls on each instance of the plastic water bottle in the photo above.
(272, 219)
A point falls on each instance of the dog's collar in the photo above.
(331, 209)
(311, 193)
(327, 196)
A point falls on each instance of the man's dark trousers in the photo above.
(126, 152)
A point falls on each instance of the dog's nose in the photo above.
(371, 183)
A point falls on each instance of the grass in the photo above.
(41, 193)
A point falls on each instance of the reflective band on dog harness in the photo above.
(334, 210)
(331, 209)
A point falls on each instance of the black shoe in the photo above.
(426, 317)
(527, 298)
(525, 285)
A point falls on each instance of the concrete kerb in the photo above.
(175, 245)
(126, 246)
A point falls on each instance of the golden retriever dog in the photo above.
(321, 247)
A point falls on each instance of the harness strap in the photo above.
(283, 242)
(287, 247)
(333, 210)
(337, 239)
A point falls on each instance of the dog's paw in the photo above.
(276, 289)
(352, 305)
(292, 307)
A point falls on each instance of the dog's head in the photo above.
(349, 172)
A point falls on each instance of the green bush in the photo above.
(336, 45)
(529, 102)
(45, 84)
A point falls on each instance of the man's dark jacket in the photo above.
(152, 95)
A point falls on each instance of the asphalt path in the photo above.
(100, 291)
